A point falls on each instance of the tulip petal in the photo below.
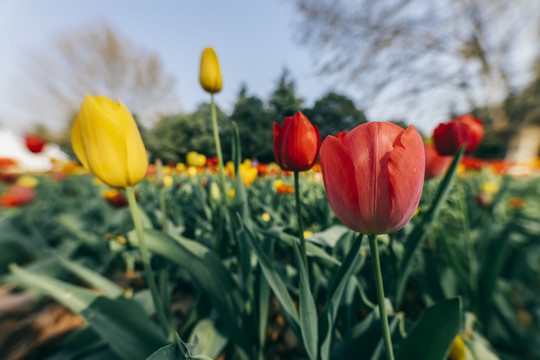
(340, 183)
(78, 144)
(406, 168)
(370, 144)
(104, 141)
(137, 159)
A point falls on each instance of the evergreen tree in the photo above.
(255, 123)
(283, 101)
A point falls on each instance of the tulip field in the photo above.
(230, 286)
(369, 244)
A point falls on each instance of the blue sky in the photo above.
(253, 40)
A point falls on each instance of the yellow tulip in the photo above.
(168, 181)
(107, 142)
(193, 158)
(27, 181)
(457, 351)
(210, 74)
(248, 173)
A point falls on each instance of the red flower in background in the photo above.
(34, 143)
(17, 195)
(297, 143)
(466, 129)
(373, 176)
(435, 164)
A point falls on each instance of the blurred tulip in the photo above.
(17, 195)
(373, 176)
(248, 173)
(466, 129)
(435, 164)
(483, 200)
(159, 173)
(34, 143)
(193, 158)
(28, 181)
(490, 187)
(297, 143)
(168, 181)
(106, 140)
(210, 74)
(457, 351)
(115, 198)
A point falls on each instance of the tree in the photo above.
(255, 124)
(423, 55)
(97, 61)
(174, 136)
(283, 101)
(334, 113)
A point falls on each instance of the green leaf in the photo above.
(421, 229)
(211, 276)
(207, 339)
(92, 278)
(118, 322)
(312, 250)
(335, 292)
(308, 311)
(432, 335)
(169, 352)
(276, 284)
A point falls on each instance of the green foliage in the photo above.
(334, 113)
(255, 123)
(174, 136)
(283, 100)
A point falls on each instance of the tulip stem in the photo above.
(380, 295)
(300, 223)
(218, 146)
(146, 260)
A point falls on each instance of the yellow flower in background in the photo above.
(107, 142)
(266, 217)
(180, 167)
(457, 351)
(27, 181)
(210, 74)
(308, 234)
(193, 158)
(191, 171)
(248, 173)
(490, 187)
(231, 193)
(168, 181)
(278, 184)
(214, 191)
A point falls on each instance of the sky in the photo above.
(255, 42)
(253, 39)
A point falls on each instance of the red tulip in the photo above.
(297, 143)
(466, 129)
(373, 176)
(17, 195)
(34, 143)
(435, 164)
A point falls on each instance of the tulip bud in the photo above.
(373, 176)
(210, 74)
(435, 164)
(193, 158)
(159, 175)
(107, 142)
(448, 137)
(296, 143)
(34, 143)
